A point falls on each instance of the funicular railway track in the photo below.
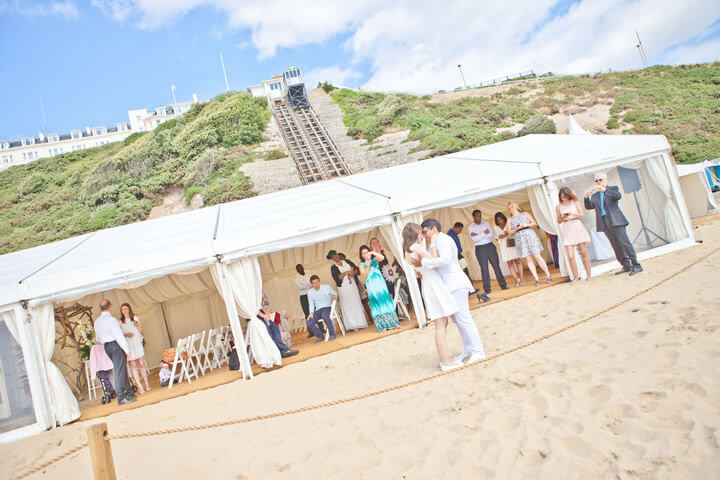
(314, 154)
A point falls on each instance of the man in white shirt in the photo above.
(320, 298)
(108, 332)
(447, 266)
(485, 252)
(302, 282)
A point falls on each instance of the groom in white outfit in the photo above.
(448, 267)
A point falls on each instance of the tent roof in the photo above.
(313, 213)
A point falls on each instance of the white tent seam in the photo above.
(58, 257)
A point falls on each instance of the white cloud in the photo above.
(335, 75)
(416, 45)
(65, 9)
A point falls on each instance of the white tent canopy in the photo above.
(228, 238)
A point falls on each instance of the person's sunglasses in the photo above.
(598, 180)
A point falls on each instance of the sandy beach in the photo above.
(634, 393)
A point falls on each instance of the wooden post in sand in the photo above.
(100, 452)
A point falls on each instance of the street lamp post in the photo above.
(461, 75)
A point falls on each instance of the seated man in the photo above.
(320, 298)
(269, 319)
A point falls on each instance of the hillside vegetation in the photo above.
(119, 183)
(682, 103)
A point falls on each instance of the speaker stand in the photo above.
(644, 229)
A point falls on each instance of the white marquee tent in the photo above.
(223, 246)
(695, 188)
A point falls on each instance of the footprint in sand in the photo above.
(601, 393)
(696, 389)
(576, 446)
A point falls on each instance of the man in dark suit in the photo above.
(610, 220)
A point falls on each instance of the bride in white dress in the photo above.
(439, 303)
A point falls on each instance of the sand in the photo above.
(634, 393)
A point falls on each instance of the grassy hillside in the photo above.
(681, 102)
(119, 183)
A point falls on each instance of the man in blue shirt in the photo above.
(453, 233)
(320, 298)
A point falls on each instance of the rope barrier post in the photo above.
(100, 452)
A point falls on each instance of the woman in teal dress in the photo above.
(381, 303)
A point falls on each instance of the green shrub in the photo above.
(132, 137)
(537, 124)
(613, 123)
(104, 217)
(33, 184)
(191, 192)
(274, 155)
(328, 87)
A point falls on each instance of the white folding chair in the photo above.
(397, 301)
(93, 385)
(221, 347)
(195, 351)
(336, 318)
(226, 336)
(211, 350)
(187, 368)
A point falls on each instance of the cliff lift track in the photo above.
(314, 154)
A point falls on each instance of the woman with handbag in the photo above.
(508, 254)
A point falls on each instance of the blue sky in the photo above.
(91, 61)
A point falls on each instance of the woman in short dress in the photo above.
(527, 243)
(439, 303)
(508, 254)
(381, 303)
(570, 215)
(133, 330)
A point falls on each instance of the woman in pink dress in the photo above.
(570, 215)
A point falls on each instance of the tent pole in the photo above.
(415, 295)
(229, 298)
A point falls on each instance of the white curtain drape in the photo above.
(393, 239)
(543, 213)
(674, 226)
(65, 407)
(244, 279)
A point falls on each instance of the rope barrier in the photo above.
(374, 393)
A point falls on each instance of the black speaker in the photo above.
(630, 179)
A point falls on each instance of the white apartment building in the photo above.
(29, 149)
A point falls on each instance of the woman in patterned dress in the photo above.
(381, 303)
(527, 243)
